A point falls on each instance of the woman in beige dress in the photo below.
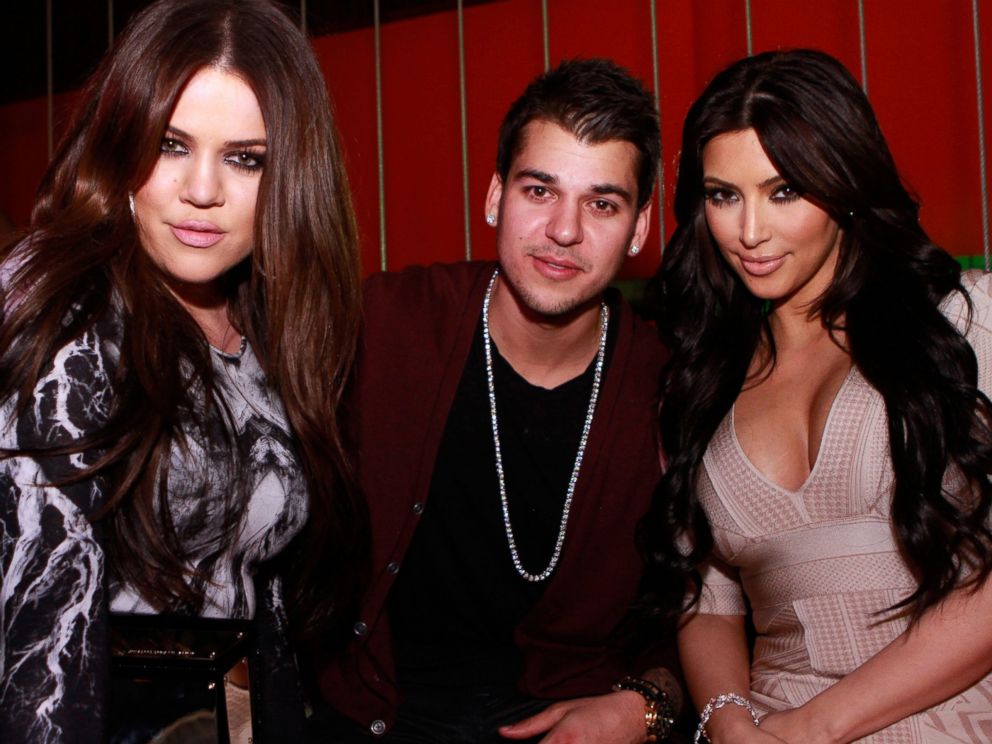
(826, 428)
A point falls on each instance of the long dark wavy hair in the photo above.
(296, 299)
(818, 129)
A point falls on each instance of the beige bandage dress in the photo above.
(818, 563)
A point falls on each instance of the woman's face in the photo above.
(196, 211)
(783, 247)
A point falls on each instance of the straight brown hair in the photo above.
(296, 298)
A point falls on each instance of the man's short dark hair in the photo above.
(596, 101)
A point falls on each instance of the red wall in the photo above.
(921, 79)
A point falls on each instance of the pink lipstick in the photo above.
(762, 266)
(197, 233)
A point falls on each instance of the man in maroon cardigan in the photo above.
(505, 424)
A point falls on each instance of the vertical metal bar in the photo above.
(379, 146)
(303, 16)
(545, 34)
(110, 24)
(982, 164)
(49, 76)
(464, 123)
(660, 166)
(863, 42)
(747, 27)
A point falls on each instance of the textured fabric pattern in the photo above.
(55, 595)
(819, 565)
(200, 483)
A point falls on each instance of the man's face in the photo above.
(566, 216)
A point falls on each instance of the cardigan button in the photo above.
(418, 508)
(393, 568)
(378, 727)
(361, 629)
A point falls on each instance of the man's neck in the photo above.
(545, 350)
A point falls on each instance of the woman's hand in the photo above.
(947, 651)
(757, 736)
(795, 727)
(743, 731)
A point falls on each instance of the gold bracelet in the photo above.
(659, 716)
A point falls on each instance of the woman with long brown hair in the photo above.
(827, 426)
(178, 326)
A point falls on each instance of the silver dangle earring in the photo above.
(130, 203)
(491, 220)
(634, 249)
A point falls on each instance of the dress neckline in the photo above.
(824, 441)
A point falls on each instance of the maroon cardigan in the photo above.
(419, 327)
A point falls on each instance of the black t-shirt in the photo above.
(458, 597)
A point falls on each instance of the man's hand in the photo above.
(615, 718)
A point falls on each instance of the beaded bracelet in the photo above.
(715, 704)
(659, 716)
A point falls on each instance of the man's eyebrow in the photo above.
(610, 188)
(599, 188)
(537, 175)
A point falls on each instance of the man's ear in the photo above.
(641, 228)
(492, 199)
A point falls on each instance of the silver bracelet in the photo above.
(715, 704)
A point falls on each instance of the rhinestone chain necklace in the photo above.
(604, 320)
